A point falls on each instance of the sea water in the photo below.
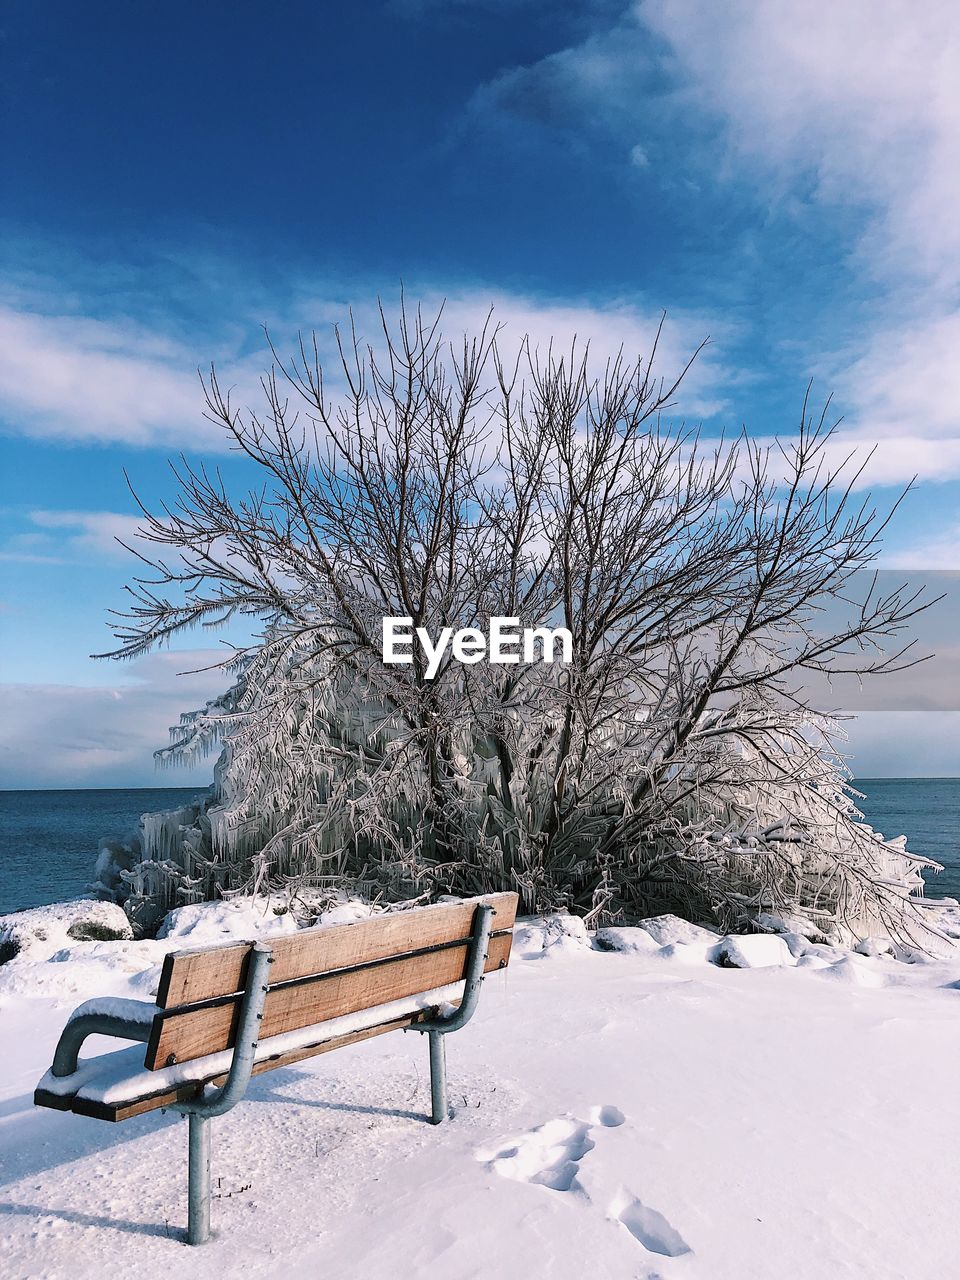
(48, 839)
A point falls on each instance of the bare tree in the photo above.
(676, 761)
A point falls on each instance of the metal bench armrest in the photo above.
(124, 1019)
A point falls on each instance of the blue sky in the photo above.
(176, 176)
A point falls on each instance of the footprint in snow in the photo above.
(647, 1226)
(548, 1156)
(609, 1117)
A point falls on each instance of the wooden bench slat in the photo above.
(190, 976)
(180, 1035)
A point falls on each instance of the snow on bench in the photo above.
(225, 1013)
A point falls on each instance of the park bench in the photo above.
(227, 1012)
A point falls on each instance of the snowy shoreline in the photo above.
(645, 1101)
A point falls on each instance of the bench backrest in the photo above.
(319, 974)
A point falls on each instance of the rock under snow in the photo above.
(666, 929)
(629, 939)
(798, 944)
(874, 947)
(346, 912)
(536, 937)
(753, 951)
(688, 952)
(809, 961)
(246, 917)
(203, 923)
(854, 971)
(785, 922)
(40, 931)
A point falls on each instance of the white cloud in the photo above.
(92, 531)
(862, 98)
(78, 379)
(859, 101)
(850, 108)
(938, 551)
(73, 378)
(606, 327)
(67, 537)
(906, 387)
(889, 460)
(64, 735)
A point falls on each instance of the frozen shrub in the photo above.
(677, 762)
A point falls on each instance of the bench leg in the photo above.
(438, 1077)
(198, 1210)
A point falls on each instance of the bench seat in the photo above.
(115, 1086)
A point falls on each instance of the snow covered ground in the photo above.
(639, 1112)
